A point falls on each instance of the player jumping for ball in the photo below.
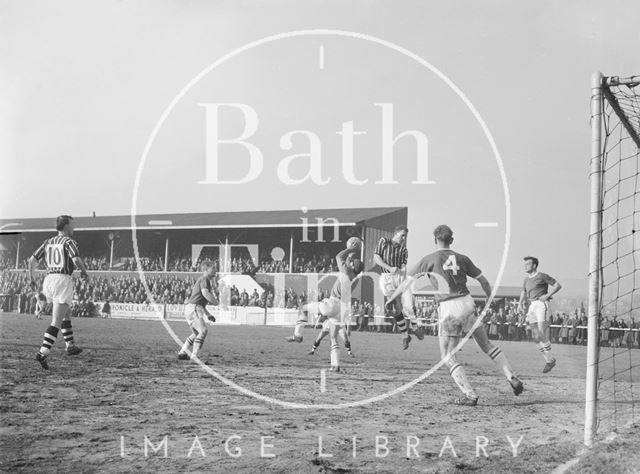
(538, 288)
(391, 256)
(195, 311)
(338, 305)
(448, 271)
(62, 256)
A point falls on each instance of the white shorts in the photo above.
(193, 312)
(329, 308)
(537, 312)
(389, 282)
(58, 288)
(456, 316)
(334, 309)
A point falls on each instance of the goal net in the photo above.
(613, 362)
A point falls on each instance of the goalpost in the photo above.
(612, 397)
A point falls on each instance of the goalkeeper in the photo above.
(337, 306)
(195, 311)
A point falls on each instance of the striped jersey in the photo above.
(392, 254)
(58, 253)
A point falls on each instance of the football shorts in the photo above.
(457, 316)
(537, 312)
(58, 288)
(333, 308)
(389, 282)
(192, 312)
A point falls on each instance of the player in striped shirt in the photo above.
(538, 288)
(62, 256)
(448, 272)
(391, 256)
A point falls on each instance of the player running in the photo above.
(195, 311)
(538, 288)
(62, 256)
(391, 256)
(448, 271)
(338, 305)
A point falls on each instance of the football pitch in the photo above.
(128, 404)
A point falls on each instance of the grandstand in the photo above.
(276, 259)
(305, 240)
(258, 244)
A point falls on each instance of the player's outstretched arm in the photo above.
(484, 283)
(341, 258)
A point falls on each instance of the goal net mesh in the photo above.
(619, 266)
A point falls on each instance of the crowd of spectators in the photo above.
(184, 263)
(564, 328)
(503, 323)
(6, 263)
(19, 294)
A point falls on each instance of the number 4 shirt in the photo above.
(448, 271)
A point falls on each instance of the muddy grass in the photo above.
(111, 408)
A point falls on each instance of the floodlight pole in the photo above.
(291, 254)
(227, 258)
(595, 246)
(18, 254)
(166, 254)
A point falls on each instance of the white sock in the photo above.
(335, 355)
(545, 348)
(188, 342)
(197, 344)
(501, 361)
(460, 378)
(302, 320)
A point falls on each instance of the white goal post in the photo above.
(624, 109)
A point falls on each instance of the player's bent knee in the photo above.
(451, 361)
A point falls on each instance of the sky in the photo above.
(84, 84)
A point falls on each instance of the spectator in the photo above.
(106, 309)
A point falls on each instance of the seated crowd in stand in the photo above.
(155, 263)
(130, 289)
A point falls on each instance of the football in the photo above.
(354, 243)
